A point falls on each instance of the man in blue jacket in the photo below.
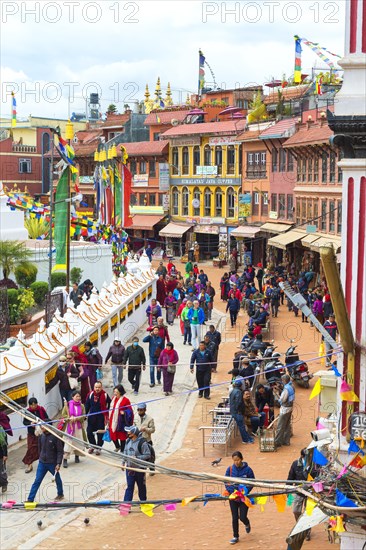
(196, 317)
(156, 346)
(203, 359)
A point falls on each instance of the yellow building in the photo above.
(205, 181)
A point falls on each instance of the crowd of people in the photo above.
(93, 416)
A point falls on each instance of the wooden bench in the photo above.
(221, 432)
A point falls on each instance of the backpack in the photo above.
(275, 294)
(151, 449)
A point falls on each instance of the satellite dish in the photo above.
(196, 203)
(174, 122)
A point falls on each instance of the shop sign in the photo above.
(206, 170)
(208, 229)
(206, 181)
(166, 202)
(186, 141)
(311, 229)
(273, 215)
(245, 205)
(222, 141)
(86, 179)
(247, 257)
(163, 176)
(140, 180)
(206, 221)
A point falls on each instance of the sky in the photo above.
(55, 53)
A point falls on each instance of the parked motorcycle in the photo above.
(296, 368)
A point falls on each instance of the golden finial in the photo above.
(168, 98)
(147, 93)
(148, 103)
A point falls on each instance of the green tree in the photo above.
(112, 109)
(25, 274)
(12, 253)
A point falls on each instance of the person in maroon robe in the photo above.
(160, 290)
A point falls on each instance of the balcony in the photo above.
(24, 148)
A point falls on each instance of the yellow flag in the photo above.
(30, 505)
(280, 501)
(316, 389)
(349, 396)
(310, 478)
(261, 501)
(310, 505)
(321, 353)
(147, 509)
(187, 500)
(339, 528)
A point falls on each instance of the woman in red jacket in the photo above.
(120, 417)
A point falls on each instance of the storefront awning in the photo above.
(326, 240)
(174, 230)
(281, 241)
(140, 221)
(275, 227)
(310, 238)
(245, 231)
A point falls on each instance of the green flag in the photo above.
(117, 196)
(60, 221)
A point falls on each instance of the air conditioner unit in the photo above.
(174, 122)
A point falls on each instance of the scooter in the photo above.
(297, 369)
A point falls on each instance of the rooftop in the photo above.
(309, 133)
(282, 129)
(165, 117)
(292, 92)
(226, 127)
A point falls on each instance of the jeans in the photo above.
(117, 379)
(239, 419)
(134, 378)
(91, 437)
(42, 470)
(233, 317)
(274, 308)
(187, 335)
(203, 378)
(257, 421)
(65, 394)
(196, 335)
(283, 432)
(153, 364)
(132, 478)
(238, 510)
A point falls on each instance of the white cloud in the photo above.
(121, 56)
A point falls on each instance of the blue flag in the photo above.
(319, 458)
(342, 500)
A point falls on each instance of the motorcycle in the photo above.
(296, 368)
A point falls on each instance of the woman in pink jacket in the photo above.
(167, 362)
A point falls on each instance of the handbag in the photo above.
(99, 374)
(171, 369)
(187, 324)
(61, 424)
(73, 383)
(106, 436)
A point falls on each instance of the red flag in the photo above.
(126, 190)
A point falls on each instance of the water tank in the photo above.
(94, 99)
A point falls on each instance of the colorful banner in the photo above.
(61, 221)
(298, 50)
(13, 110)
(201, 72)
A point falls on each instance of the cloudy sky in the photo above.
(51, 50)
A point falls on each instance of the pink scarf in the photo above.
(74, 410)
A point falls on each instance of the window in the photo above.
(303, 170)
(282, 167)
(225, 100)
(242, 103)
(310, 211)
(303, 211)
(264, 203)
(175, 201)
(332, 167)
(196, 158)
(310, 169)
(25, 166)
(255, 203)
(207, 155)
(256, 165)
(230, 159)
(316, 214)
(274, 202)
(299, 168)
(160, 199)
(156, 136)
(290, 207)
(298, 205)
(218, 202)
(218, 159)
(282, 204)
(207, 202)
(175, 161)
(339, 217)
(323, 221)
(256, 198)
(142, 167)
(185, 161)
(142, 199)
(185, 201)
(324, 168)
(133, 199)
(196, 196)
(152, 168)
(340, 176)
(133, 168)
(290, 162)
(152, 199)
(316, 170)
(274, 160)
(332, 209)
(230, 203)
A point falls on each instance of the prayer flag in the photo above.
(261, 501)
(318, 486)
(335, 370)
(310, 505)
(319, 458)
(201, 72)
(13, 110)
(349, 396)
(342, 472)
(147, 509)
(339, 528)
(170, 507)
(290, 499)
(298, 50)
(342, 500)
(353, 447)
(358, 462)
(187, 500)
(61, 221)
(318, 86)
(280, 501)
(316, 389)
(124, 509)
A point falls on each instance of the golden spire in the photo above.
(148, 103)
(157, 99)
(188, 100)
(168, 98)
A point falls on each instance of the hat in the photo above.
(238, 381)
(142, 406)
(132, 430)
(62, 358)
(259, 264)
(117, 339)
